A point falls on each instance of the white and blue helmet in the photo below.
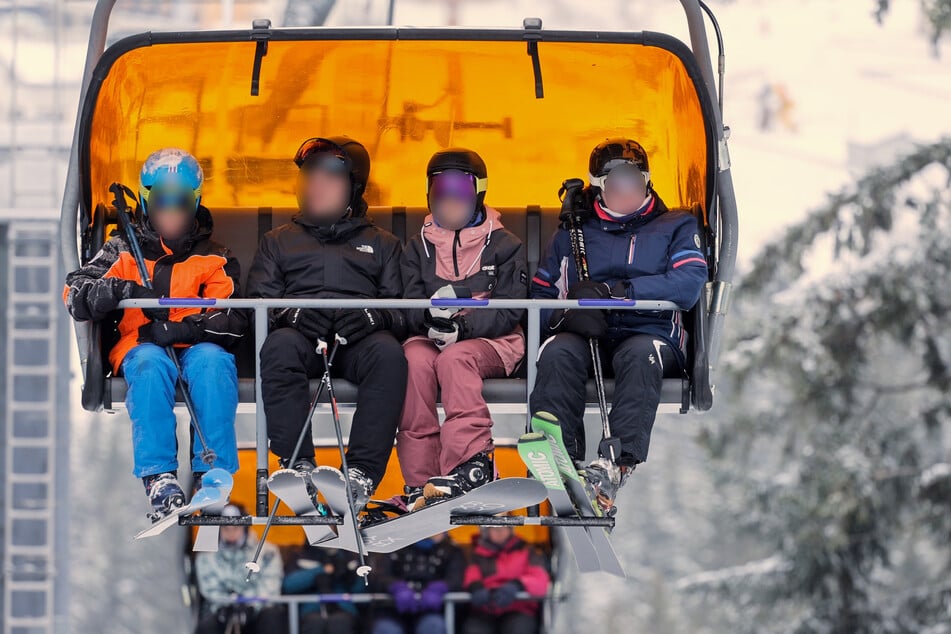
(172, 171)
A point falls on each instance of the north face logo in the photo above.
(364, 248)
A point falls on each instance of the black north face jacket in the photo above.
(352, 258)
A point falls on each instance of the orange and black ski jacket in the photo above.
(200, 267)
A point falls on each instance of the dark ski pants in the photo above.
(509, 623)
(270, 619)
(375, 364)
(638, 361)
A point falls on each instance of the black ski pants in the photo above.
(639, 363)
(375, 364)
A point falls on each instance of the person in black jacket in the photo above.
(332, 250)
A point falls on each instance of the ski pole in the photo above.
(610, 446)
(363, 570)
(208, 455)
(252, 565)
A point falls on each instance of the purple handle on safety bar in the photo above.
(180, 301)
(457, 302)
(606, 303)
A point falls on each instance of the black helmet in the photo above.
(617, 149)
(465, 161)
(351, 151)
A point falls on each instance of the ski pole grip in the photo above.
(605, 303)
(457, 302)
(186, 301)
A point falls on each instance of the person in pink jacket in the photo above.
(462, 250)
(502, 566)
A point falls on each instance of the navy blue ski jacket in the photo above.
(655, 255)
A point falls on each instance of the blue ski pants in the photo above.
(212, 379)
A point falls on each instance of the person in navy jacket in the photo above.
(636, 248)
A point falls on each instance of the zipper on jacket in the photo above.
(630, 251)
(455, 257)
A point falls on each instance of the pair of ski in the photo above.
(210, 499)
(544, 453)
(389, 535)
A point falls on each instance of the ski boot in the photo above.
(165, 495)
(306, 466)
(361, 488)
(474, 472)
(602, 479)
(413, 497)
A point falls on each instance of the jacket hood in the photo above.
(485, 548)
(201, 230)
(337, 231)
(460, 249)
(441, 237)
(657, 209)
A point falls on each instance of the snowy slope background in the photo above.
(862, 93)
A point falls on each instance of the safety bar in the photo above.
(521, 520)
(294, 601)
(260, 306)
(251, 520)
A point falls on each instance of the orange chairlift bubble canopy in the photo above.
(404, 98)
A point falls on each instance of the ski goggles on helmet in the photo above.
(161, 200)
(455, 184)
(621, 176)
(322, 154)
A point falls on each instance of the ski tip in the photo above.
(531, 436)
(545, 417)
(217, 477)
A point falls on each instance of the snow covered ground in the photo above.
(853, 85)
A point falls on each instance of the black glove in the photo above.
(137, 291)
(358, 323)
(587, 323)
(106, 294)
(167, 333)
(313, 323)
(504, 595)
(480, 595)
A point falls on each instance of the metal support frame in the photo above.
(31, 495)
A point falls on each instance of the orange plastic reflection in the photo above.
(404, 100)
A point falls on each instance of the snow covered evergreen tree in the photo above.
(837, 420)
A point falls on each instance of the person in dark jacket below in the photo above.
(418, 578)
(501, 566)
(637, 249)
(316, 570)
(174, 230)
(332, 250)
(462, 246)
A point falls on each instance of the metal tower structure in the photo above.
(34, 465)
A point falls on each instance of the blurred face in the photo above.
(452, 198)
(323, 189)
(232, 534)
(171, 212)
(625, 189)
(498, 535)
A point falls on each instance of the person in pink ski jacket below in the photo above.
(462, 250)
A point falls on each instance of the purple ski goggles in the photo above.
(453, 184)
